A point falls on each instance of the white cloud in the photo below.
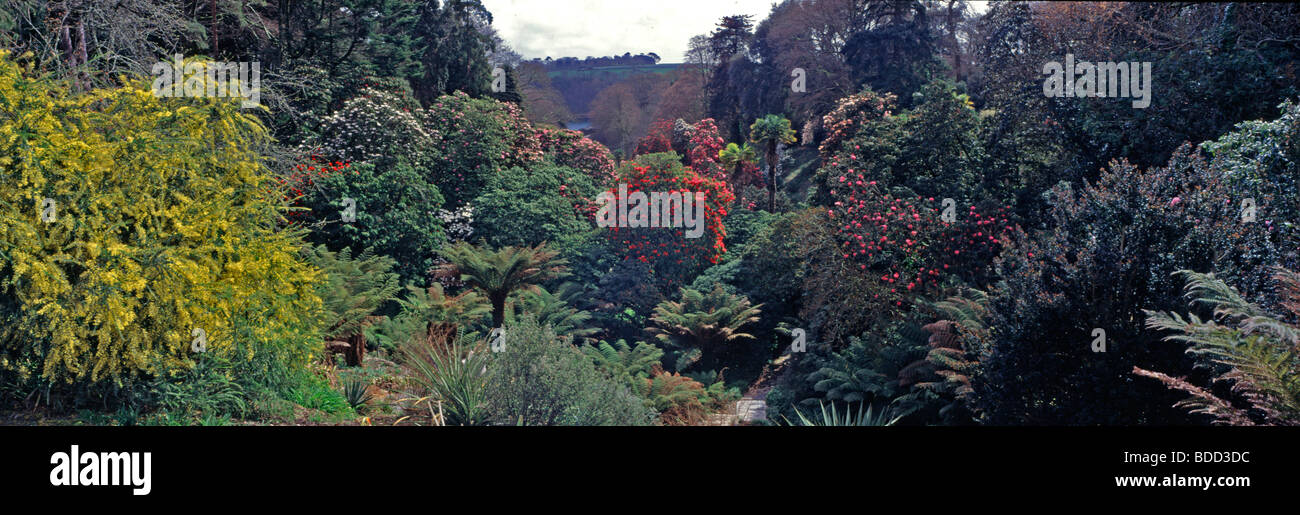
(581, 28)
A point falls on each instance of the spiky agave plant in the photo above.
(456, 374)
(357, 393)
(1262, 351)
(887, 416)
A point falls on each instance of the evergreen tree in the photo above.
(453, 51)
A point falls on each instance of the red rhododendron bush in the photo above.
(673, 256)
(659, 138)
(570, 148)
(298, 182)
(705, 144)
(697, 144)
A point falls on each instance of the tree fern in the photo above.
(354, 288)
(1258, 348)
(499, 273)
(553, 309)
(701, 323)
(623, 362)
(953, 356)
(424, 308)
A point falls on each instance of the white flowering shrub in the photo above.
(377, 127)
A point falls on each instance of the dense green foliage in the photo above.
(392, 213)
(556, 201)
(908, 232)
(1112, 253)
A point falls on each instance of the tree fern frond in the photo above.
(1258, 348)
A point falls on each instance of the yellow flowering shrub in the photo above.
(132, 226)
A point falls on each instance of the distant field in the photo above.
(617, 72)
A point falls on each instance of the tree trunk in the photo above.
(498, 311)
(356, 349)
(215, 41)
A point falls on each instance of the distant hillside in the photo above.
(579, 86)
(620, 71)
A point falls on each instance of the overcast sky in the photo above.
(581, 28)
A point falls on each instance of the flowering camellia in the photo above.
(904, 242)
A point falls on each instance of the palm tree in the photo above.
(498, 273)
(702, 322)
(768, 131)
(736, 157)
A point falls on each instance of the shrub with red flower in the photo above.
(674, 259)
(905, 244)
(697, 144)
(659, 138)
(570, 148)
(298, 182)
(705, 144)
